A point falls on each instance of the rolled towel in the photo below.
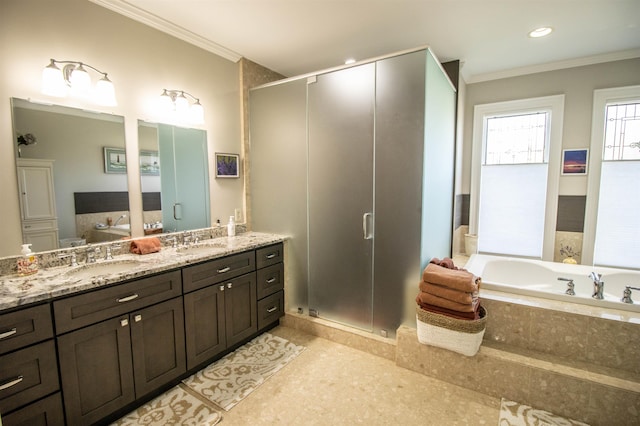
(446, 303)
(448, 312)
(458, 279)
(445, 263)
(449, 293)
(145, 246)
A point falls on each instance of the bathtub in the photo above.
(540, 279)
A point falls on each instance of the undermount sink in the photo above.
(102, 268)
(202, 248)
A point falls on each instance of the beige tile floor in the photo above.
(332, 384)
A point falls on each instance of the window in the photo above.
(611, 225)
(515, 172)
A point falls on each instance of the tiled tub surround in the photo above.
(576, 361)
(53, 280)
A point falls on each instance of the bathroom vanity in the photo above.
(87, 348)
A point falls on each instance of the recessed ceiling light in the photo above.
(350, 61)
(540, 32)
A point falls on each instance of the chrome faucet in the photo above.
(186, 238)
(626, 294)
(91, 254)
(570, 286)
(119, 219)
(72, 255)
(598, 286)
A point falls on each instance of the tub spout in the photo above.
(598, 286)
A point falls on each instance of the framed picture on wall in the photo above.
(574, 162)
(227, 165)
(149, 163)
(115, 160)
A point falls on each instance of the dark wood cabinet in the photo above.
(270, 284)
(221, 312)
(110, 364)
(45, 412)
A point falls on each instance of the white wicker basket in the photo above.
(461, 336)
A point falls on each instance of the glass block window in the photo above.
(516, 139)
(622, 132)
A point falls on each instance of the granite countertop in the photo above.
(59, 281)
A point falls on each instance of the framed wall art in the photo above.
(227, 165)
(149, 163)
(574, 162)
(115, 160)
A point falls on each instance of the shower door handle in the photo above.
(177, 211)
(366, 225)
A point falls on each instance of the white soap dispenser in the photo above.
(231, 227)
(28, 263)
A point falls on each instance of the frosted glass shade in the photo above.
(53, 83)
(80, 81)
(196, 113)
(105, 92)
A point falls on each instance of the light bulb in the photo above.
(53, 81)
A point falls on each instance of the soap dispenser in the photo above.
(28, 262)
(231, 227)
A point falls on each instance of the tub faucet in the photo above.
(119, 219)
(598, 286)
(626, 294)
(570, 286)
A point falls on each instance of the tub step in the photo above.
(578, 390)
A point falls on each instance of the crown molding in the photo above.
(151, 20)
(553, 66)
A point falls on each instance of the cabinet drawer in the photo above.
(204, 274)
(98, 305)
(269, 255)
(39, 225)
(25, 327)
(27, 375)
(270, 309)
(46, 412)
(270, 280)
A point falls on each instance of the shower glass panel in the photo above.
(184, 178)
(341, 139)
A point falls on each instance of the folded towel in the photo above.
(448, 312)
(446, 303)
(448, 293)
(458, 279)
(145, 245)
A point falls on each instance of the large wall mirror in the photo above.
(174, 177)
(88, 187)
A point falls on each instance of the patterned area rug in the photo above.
(230, 379)
(175, 407)
(516, 414)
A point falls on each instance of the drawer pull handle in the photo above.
(221, 288)
(137, 318)
(128, 298)
(229, 285)
(11, 383)
(124, 322)
(272, 309)
(223, 270)
(271, 280)
(8, 333)
(270, 255)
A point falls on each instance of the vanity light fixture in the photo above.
(177, 101)
(540, 32)
(74, 79)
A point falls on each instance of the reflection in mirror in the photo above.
(80, 194)
(182, 179)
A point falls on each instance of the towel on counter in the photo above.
(449, 293)
(457, 279)
(431, 299)
(145, 246)
(448, 312)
